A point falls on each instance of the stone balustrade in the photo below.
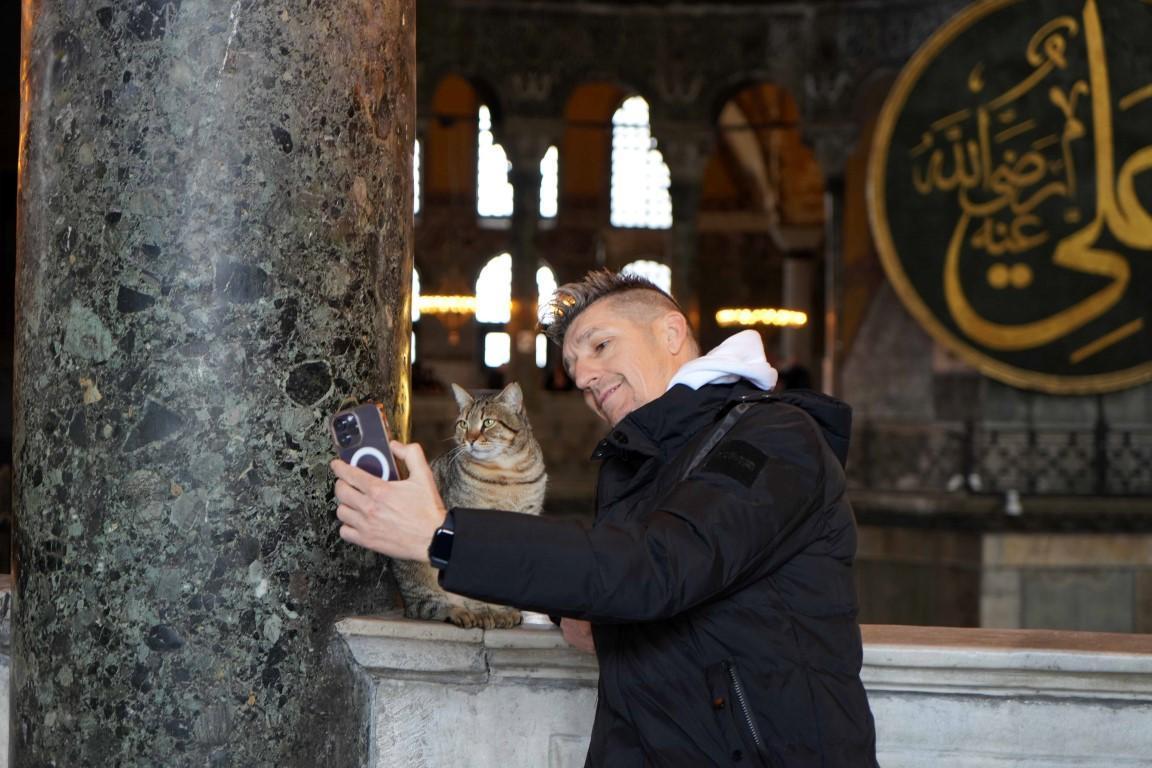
(947, 698)
(942, 697)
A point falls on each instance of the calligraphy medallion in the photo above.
(1010, 191)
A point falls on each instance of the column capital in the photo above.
(526, 139)
(833, 144)
(686, 147)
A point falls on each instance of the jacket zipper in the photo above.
(742, 703)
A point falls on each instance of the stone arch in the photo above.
(760, 145)
(449, 147)
(588, 112)
(728, 88)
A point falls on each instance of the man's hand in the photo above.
(578, 634)
(394, 517)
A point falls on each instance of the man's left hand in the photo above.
(393, 517)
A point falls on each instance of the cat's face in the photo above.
(487, 425)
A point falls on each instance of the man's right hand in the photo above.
(578, 634)
(393, 517)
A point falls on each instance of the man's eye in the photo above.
(488, 423)
(600, 347)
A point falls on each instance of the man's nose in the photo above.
(583, 375)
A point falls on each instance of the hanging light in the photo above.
(784, 318)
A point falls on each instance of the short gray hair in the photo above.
(571, 299)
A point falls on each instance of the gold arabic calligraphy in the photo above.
(999, 200)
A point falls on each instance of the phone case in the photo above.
(361, 437)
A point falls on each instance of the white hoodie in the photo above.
(737, 357)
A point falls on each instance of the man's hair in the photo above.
(571, 299)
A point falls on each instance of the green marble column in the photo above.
(215, 250)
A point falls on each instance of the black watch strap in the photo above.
(440, 550)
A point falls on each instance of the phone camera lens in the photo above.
(347, 430)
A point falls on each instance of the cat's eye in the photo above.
(488, 423)
(461, 424)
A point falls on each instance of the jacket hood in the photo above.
(833, 416)
(740, 356)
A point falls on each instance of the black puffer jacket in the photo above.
(723, 603)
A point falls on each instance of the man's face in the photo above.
(619, 362)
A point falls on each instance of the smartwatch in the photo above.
(440, 550)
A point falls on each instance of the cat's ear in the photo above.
(463, 399)
(512, 395)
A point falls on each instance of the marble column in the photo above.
(796, 290)
(215, 251)
(526, 140)
(833, 145)
(686, 148)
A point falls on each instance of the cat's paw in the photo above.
(484, 617)
(503, 618)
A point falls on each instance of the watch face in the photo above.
(440, 550)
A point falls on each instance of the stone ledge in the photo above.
(985, 512)
(419, 650)
(1008, 663)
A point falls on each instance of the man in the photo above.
(716, 583)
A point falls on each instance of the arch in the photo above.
(494, 307)
(588, 136)
(640, 183)
(417, 190)
(731, 87)
(761, 143)
(494, 194)
(550, 183)
(494, 290)
(450, 141)
(415, 293)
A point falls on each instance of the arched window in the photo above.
(415, 295)
(415, 311)
(658, 273)
(493, 190)
(550, 183)
(494, 290)
(494, 306)
(640, 177)
(545, 287)
(416, 179)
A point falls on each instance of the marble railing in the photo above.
(947, 698)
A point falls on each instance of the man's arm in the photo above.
(728, 522)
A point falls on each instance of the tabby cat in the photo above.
(495, 464)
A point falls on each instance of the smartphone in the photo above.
(361, 436)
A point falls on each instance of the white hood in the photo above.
(737, 357)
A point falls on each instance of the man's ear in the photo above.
(676, 332)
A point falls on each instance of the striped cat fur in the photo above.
(495, 463)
